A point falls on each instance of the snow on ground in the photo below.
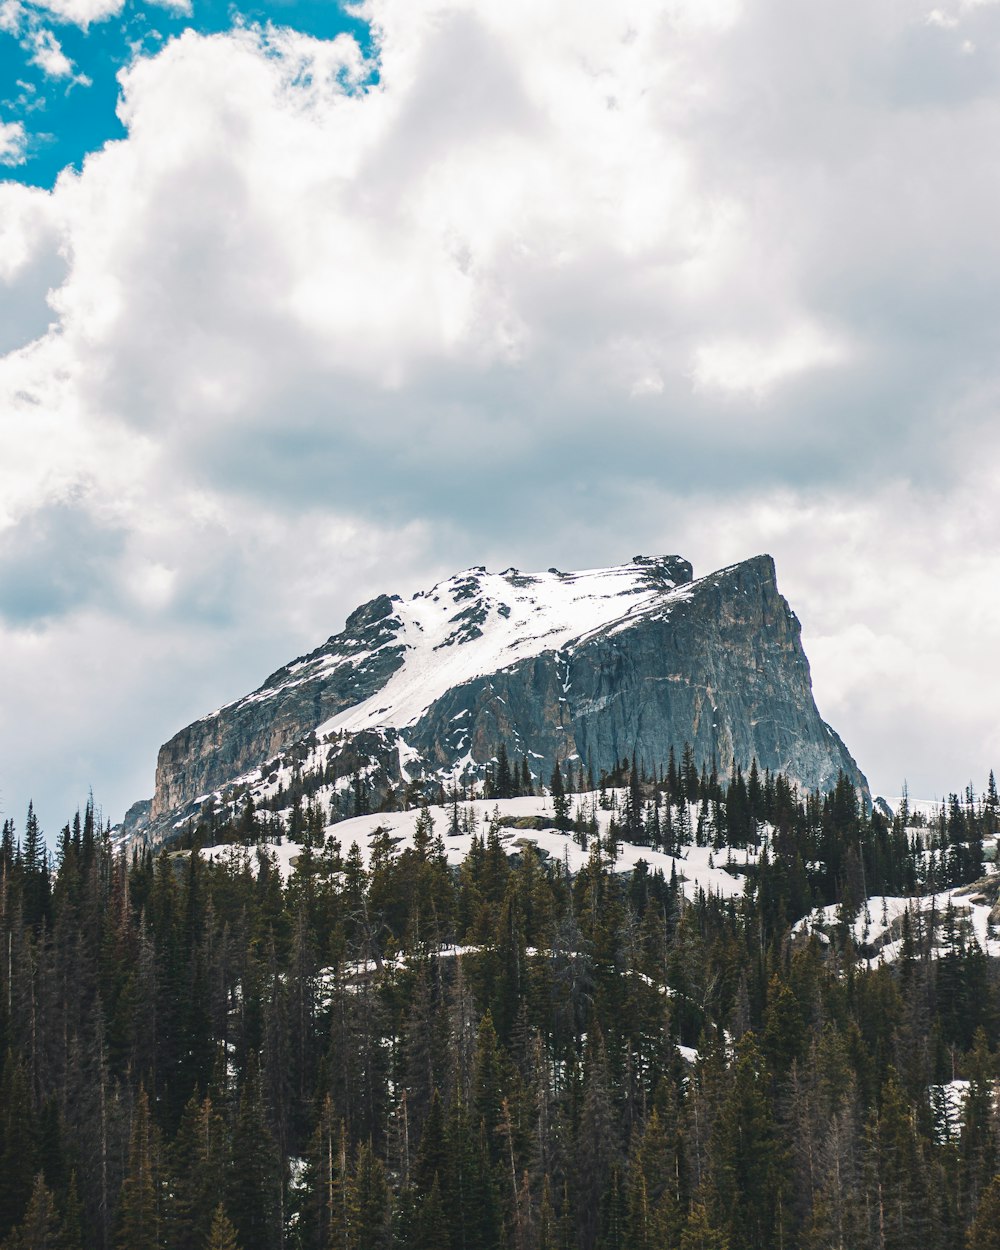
(283, 853)
(693, 869)
(877, 928)
(877, 924)
(948, 1103)
(929, 809)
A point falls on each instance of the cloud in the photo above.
(540, 284)
(755, 367)
(82, 13)
(28, 24)
(12, 143)
(51, 562)
(49, 56)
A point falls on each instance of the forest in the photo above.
(391, 1052)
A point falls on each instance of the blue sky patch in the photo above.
(58, 84)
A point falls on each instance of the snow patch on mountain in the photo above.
(478, 623)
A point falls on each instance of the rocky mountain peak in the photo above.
(584, 667)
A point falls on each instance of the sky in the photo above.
(302, 303)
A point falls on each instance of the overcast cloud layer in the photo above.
(545, 285)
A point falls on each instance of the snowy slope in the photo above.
(637, 658)
(477, 623)
(511, 616)
(692, 865)
(877, 925)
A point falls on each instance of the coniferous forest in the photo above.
(393, 1052)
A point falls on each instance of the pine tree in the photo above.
(978, 1144)
(984, 1233)
(254, 1192)
(222, 1235)
(430, 1226)
(41, 1228)
(17, 1144)
(597, 1149)
(504, 780)
(560, 803)
(343, 1201)
(372, 1201)
(898, 1192)
(991, 808)
(746, 1157)
(488, 1084)
(698, 1233)
(547, 1223)
(34, 866)
(432, 1157)
(653, 1215)
(138, 1220)
(199, 1156)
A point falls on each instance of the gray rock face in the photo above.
(658, 660)
(723, 670)
(246, 735)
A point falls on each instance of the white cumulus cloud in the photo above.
(542, 284)
(12, 143)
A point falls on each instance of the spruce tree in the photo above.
(560, 803)
(747, 1163)
(699, 1234)
(504, 780)
(255, 1184)
(139, 1215)
(372, 1201)
(199, 1157)
(41, 1228)
(984, 1232)
(222, 1234)
(17, 1144)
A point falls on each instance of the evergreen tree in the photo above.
(984, 1233)
(139, 1211)
(560, 803)
(199, 1157)
(372, 1199)
(504, 780)
(255, 1184)
(222, 1234)
(747, 1166)
(698, 1233)
(17, 1145)
(41, 1228)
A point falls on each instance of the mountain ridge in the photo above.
(585, 667)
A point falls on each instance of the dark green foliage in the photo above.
(17, 1147)
(222, 1234)
(200, 1159)
(140, 1207)
(255, 1189)
(41, 1229)
(202, 1055)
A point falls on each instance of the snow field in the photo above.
(692, 865)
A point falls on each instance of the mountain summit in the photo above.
(587, 667)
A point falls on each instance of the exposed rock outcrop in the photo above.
(593, 666)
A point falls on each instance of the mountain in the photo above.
(585, 667)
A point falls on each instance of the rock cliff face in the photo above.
(592, 666)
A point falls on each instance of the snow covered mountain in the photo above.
(584, 668)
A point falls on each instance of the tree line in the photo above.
(387, 1052)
